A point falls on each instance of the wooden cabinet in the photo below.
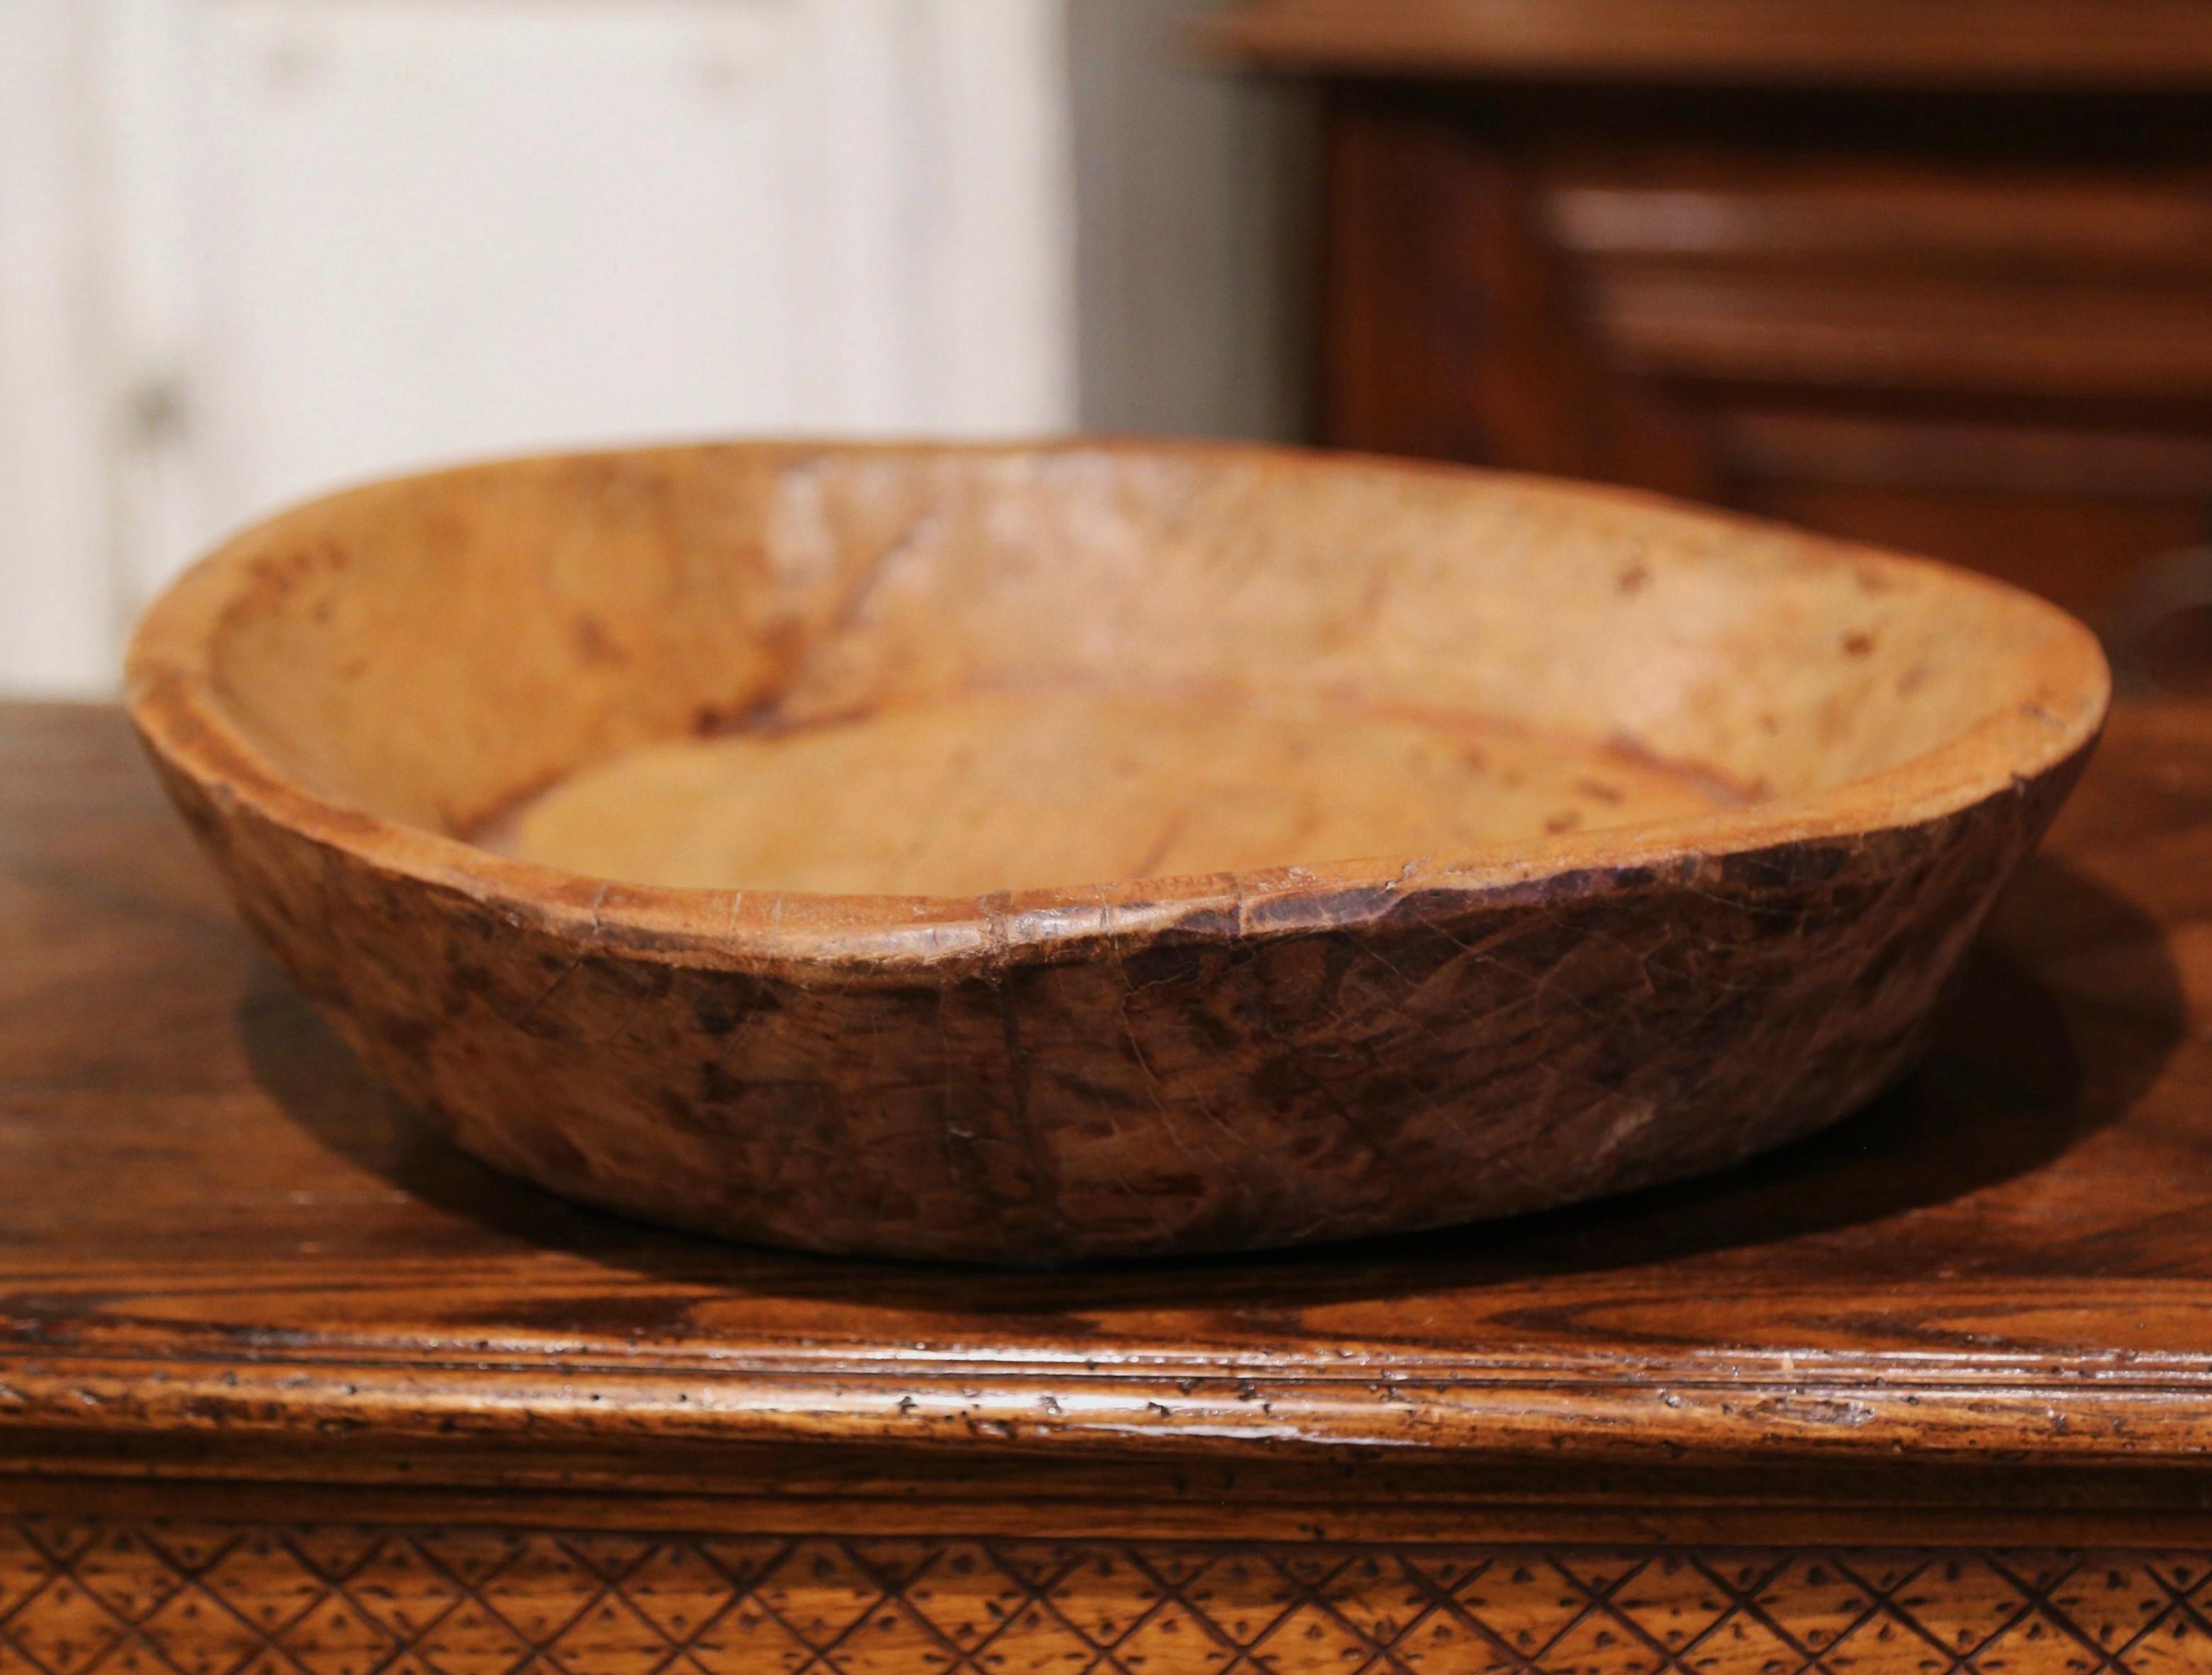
(1935, 278)
(287, 1384)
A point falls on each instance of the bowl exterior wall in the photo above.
(1370, 1063)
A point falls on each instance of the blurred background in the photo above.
(1935, 275)
(250, 249)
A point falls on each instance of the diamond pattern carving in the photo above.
(170, 1599)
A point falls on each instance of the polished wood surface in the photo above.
(2006, 1259)
(285, 1377)
(1932, 276)
(1027, 854)
(2096, 44)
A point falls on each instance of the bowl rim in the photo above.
(172, 698)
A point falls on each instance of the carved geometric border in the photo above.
(202, 1598)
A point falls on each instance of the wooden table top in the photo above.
(222, 1252)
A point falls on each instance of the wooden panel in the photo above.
(1875, 317)
(1963, 278)
(2053, 43)
(1902, 451)
(1887, 332)
(1446, 337)
(349, 1598)
(1653, 203)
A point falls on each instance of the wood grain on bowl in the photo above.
(1035, 787)
(1020, 855)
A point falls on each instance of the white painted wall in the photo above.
(59, 610)
(250, 249)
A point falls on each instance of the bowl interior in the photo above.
(954, 671)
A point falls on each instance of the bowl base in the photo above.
(978, 792)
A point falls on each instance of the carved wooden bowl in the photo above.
(1025, 854)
